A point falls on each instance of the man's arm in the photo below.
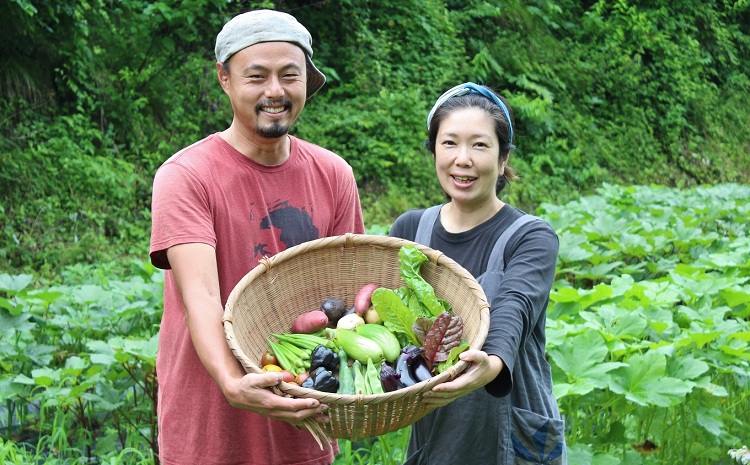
(195, 272)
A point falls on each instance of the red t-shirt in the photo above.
(211, 193)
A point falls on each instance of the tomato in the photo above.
(288, 377)
(301, 377)
(271, 368)
(268, 359)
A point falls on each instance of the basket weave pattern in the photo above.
(297, 280)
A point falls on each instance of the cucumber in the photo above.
(358, 347)
(384, 338)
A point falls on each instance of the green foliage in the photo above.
(391, 174)
(647, 338)
(77, 173)
(631, 92)
(82, 355)
(388, 449)
(622, 92)
(387, 62)
(65, 199)
(648, 326)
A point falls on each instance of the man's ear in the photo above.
(223, 75)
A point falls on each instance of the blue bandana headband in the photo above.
(471, 88)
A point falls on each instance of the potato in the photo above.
(310, 322)
(350, 321)
(372, 316)
(363, 299)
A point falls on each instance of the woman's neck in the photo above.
(456, 219)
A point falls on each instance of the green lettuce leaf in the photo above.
(395, 315)
(411, 259)
(453, 356)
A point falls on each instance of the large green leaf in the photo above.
(644, 381)
(581, 297)
(582, 358)
(710, 420)
(615, 322)
(14, 284)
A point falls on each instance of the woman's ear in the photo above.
(502, 163)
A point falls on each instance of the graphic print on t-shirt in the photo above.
(291, 225)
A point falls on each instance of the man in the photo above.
(219, 206)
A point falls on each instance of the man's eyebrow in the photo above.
(261, 68)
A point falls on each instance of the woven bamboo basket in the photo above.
(296, 280)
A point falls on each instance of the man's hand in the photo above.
(252, 392)
(194, 268)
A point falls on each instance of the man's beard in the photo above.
(274, 131)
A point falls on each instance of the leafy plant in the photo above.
(82, 356)
(647, 339)
(648, 326)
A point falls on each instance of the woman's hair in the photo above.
(502, 128)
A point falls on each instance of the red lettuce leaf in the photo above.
(440, 337)
(421, 327)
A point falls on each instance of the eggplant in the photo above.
(411, 366)
(334, 308)
(419, 369)
(390, 379)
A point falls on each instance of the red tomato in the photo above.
(288, 376)
(268, 359)
(301, 377)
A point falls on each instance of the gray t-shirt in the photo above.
(515, 419)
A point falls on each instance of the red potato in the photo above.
(362, 301)
(310, 322)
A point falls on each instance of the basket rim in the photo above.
(267, 263)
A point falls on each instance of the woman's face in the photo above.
(467, 157)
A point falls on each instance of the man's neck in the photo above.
(261, 150)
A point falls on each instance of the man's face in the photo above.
(266, 85)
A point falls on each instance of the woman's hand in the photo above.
(483, 369)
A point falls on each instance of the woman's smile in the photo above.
(466, 181)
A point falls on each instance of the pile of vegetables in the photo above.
(388, 339)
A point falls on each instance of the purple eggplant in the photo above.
(390, 379)
(411, 366)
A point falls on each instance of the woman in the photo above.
(513, 418)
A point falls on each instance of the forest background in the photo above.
(619, 98)
(97, 94)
